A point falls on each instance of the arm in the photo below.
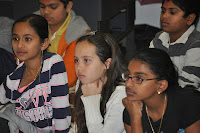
(194, 128)
(60, 96)
(190, 71)
(134, 109)
(113, 117)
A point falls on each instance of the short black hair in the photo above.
(187, 6)
(65, 2)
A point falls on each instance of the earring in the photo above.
(159, 92)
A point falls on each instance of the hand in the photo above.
(92, 88)
(134, 108)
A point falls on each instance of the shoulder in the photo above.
(186, 97)
(76, 28)
(52, 59)
(118, 94)
(51, 56)
(156, 40)
(194, 39)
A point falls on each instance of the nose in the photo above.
(78, 66)
(20, 44)
(46, 10)
(129, 82)
(164, 15)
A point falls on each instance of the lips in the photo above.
(47, 18)
(164, 23)
(130, 92)
(21, 53)
(80, 76)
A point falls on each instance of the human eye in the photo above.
(27, 39)
(15, 38)
(163, 10)
(53, 6)
(138, 79)
(76, 60)
(87, 61)
(42, 6)
(173, 11)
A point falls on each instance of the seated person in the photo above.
(98, 99)
(180, 39)
(7, 62)
(155, 103)
(64, 30)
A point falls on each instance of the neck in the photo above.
(33, 68)
(53, 28)
(156, 103)
(176, 35)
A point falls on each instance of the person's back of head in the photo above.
(188, 7)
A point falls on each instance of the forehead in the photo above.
(47, 2)
(136, 66)
(23, 27)
(169, 4)
(85, 48)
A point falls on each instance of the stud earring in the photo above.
(159, 92)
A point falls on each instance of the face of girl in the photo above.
(26, 42)
(147, 88)
(88, 65)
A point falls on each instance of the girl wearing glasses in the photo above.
(154, 102)
(98, 100)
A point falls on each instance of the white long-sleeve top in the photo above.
(113, 122)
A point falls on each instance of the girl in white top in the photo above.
(98, 100)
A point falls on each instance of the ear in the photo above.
(107, 63)
(162, 86)
(69, 6)
(45, 44)
(191, 18)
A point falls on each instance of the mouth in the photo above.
(21, 53)
(130, 92)
(80, 76)
(47, 18)
(164, 23)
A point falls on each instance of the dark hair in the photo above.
(38, 23)
(187, 6)
(65, 2)
(106, 47)
(160, 65)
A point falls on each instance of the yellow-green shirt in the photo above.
(55, 38)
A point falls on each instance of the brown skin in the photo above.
(55, 13)
(136, 96)
(173, 22)
(28, 48)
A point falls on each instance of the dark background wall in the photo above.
(15, 9)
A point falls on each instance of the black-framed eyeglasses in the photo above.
(135, 79)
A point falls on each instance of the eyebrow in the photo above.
(49, 4)
(141, 73)
(23, 35)
(162, 7)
